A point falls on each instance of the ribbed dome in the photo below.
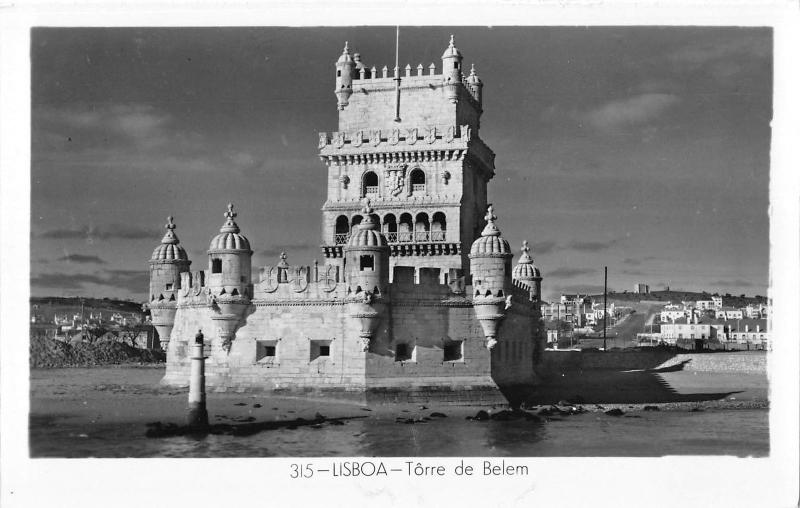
(368, 233)
(170, 249)
(473, 77)
(451, 50)
(229, 237)
(345, 57)
(525, 269)
(490, 241)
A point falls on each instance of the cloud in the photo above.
(543, 247)
(81, 258)
(634, 272)
(629, 112)
(276, 250)
(110, 232)
(637, 261)
(136, 281)
(590, 246)
(748, 46)
(567, 273)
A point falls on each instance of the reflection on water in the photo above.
(730, 432)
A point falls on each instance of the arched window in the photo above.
(405, 228)
(356, 221)
(439, 227)
(422, 228)
(417, 179)
(389, 227)
(369, 185)
(342, 230)
(216, 265)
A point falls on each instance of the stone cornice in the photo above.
(416, 205)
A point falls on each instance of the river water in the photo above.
(738, 432)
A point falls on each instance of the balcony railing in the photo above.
(371, 189)
(400, 237)
(417, 187)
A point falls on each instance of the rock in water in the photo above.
(438, 415)
(615, 412)
(652, 408)
(481, 416)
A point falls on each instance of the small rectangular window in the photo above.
(169, 286)
(367, 262)
(453, 351)
(266, 351)
(403, 352)
(216, 266)
(319, 349)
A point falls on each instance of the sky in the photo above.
(644, 149)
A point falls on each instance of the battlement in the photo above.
(371, 80)
(457, 136)
(284, 282)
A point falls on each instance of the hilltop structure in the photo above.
(416, 299)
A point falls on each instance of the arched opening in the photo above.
(369, 184)
(417, 181)
(389, 227)
(438, 227)
(341, 230)
(405, 228)
(216, 265)
(422, 228)
(356, 221)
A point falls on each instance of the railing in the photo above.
(400, 237)
(417, 187)
(371, 189)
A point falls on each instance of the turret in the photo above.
(229, 283)
(451, 71)
(367, 275)
(490, 266)
(476, 85)
(345, 67)
(528, 274)
(167, 263)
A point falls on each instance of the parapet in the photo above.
(193, 287)
(283, 282)
(416, 137)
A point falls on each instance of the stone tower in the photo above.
(491, 278)
(167, 263)
(425, 170)
(527, 274)
(229, 282)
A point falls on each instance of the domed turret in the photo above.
(345, 67)
(527, 273)
(490, 266)
(167, 263)
(451, 70)
(476, 85)
(229, 282)
(367, 256)
(367, 275)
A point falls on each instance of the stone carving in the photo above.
(411, 136)
(450, 134)
(364, 343)
(344, 180)
(508, 302)
(466, 132)
(446, 177)
(395, 179)
(394, 136)
(327, 278)
(338, 139)
(300, 280)
(358, 139)
(430, 137)
(375, 137)
(323, 139)
(490, 344)
(269, 275)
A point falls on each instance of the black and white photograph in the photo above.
(400, 252)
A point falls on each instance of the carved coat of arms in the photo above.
(358, 138)
(396, 179)
(411, 137)
(375, 137)
(394, 136)
(430, 137)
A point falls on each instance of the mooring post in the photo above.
(198, 415)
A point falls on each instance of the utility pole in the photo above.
(605, 297)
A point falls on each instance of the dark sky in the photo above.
(644, 149)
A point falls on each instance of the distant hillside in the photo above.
(679, 296)
(49, 305)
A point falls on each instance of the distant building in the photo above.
(641, 288)
(728, 313)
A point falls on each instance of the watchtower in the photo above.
(410, 144)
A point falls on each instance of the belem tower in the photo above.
(417, 299)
